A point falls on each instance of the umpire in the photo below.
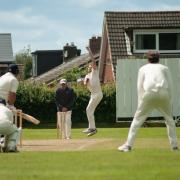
(65, 99)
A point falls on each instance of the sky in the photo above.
(50, 24)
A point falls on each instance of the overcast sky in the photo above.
(50, 24)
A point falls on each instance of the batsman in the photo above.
(8, 87)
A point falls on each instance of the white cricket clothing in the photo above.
(8, 83)
(7, 127)
(93, 103)
(152, 77)
(154, 92)
(94, 87)
(94, 83)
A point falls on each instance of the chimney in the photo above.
(95, 44)
(70, 51)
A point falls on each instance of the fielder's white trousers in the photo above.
(153, 100)
(93, 103)
(7, 127)
(67, 124)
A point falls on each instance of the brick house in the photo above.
(132, 34)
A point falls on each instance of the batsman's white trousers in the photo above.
(93, 103)
(153, 100)
(7, 127)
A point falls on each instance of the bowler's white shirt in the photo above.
(94, 83)
(8, 83)
(152, 77)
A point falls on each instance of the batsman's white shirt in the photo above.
(94, 83)
(8, 83)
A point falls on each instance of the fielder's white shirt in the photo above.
(93, 84)
(8, 83)
(152, 77)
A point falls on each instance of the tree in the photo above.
(24, 57)
(75, 73)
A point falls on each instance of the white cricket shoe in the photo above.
(86, 131)
(124, 148)
(92, 132)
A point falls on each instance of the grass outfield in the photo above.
(150, 159)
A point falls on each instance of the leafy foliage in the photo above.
(74, 74)
(24, 57)
(39, 101)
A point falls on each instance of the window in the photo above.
(169, 41)
(164, 41)
(145, 41)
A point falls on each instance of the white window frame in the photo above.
(156, 33)
(128, 45)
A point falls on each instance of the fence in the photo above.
(126, 87)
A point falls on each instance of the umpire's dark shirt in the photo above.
(65, 98)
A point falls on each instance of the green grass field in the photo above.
(150, 159)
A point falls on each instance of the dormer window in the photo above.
(145, 41)
(169, 41)
(164, 41)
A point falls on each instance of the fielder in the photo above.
(65, 98)
(154, 92)
(92, 82)
(8, 88)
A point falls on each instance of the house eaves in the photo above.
(118, 23)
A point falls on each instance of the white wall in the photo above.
(6, 52)
(126, 86)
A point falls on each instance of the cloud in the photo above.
(50, 25)
(89, 3)
(16, 16)
(39, 31)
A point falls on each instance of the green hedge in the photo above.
(39, 101)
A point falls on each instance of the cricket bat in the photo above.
(29, 118)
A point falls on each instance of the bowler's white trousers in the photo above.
(153, 100)
(93, 103)
(7, 127)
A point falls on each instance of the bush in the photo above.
(39, 101)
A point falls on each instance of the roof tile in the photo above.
(118, 22)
